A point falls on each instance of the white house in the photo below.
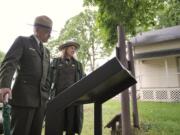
(157, 64)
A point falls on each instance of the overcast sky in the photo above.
(17, 15)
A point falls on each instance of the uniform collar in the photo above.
(37, 40)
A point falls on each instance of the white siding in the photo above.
(157, 47)
(158, 77)
(156, 73)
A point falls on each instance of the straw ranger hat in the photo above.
(43, 21)
(69, 43)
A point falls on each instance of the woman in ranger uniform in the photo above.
(66, 70)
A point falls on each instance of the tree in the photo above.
(169, 15)
(82, 28)
(1, 56)
(134, 15)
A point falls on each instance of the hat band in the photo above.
(41, 25)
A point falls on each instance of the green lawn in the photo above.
(110, 109)
(159, 118)
(155, 118)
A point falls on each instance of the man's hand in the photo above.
(4, 94)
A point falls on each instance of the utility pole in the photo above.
(125, 107)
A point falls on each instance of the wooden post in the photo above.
(133, 88)
(126, 126)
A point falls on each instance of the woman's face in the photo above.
(70, 51)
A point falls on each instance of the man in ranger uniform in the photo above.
(30, 92)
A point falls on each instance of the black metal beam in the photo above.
(97, 119)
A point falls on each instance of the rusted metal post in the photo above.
(133, 88)
(126, 126)
(97, 119)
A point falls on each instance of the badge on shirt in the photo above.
(32, 49)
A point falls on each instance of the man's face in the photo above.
(43, 34)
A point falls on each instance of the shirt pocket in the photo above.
(60, 66)
(32, 52)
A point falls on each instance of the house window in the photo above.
(178, 65)
(178, 69)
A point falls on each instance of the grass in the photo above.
(155, 118)
(110, 109)
(159, 118)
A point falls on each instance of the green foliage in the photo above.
(53, 47)
(2, 54)
(134, 15)
(82, 28)
(130, 13)
(169, 15)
